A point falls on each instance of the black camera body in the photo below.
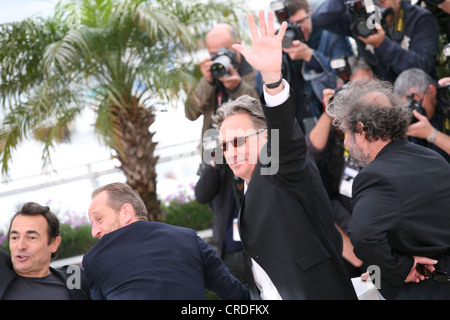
(433, 2)
(362, 21)
(293, 30)
(343, 71)
(222, 61)
(342, 68)
(415, 105)
(443, 96)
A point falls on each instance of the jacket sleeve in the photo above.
(199, 101)
(423, 47)
(218, 278)
(375, 214)
(208, 185)
(247, 86)
(95, 292)
(286, 147)
(331, 15)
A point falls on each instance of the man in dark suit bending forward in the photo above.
(140, 260)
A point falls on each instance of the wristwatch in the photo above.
(432, 136)
(275, 84)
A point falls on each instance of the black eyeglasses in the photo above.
(302, 21)
(238, 141)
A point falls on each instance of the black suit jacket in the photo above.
(7, 274)
(286, 224)
(402, 209)
(152, 260)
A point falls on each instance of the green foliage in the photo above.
(183, 210)
(442, 63)
(97, 54)
(75, 240)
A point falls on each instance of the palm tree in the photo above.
(122, 58)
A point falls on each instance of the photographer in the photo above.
(306, 58)
(432, 126)
(408, 39)
(211, 92)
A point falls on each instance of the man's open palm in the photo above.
(266, 52)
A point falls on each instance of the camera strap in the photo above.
(446, 122)
(399, 26)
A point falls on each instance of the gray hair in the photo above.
(371, 106)
(243, 104)
(357, 63)
(413, 78)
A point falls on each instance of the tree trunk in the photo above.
(135, 151)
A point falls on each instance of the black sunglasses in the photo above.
(238, 141)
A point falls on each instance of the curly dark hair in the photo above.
(371, 106)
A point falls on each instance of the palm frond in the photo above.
(119, 52)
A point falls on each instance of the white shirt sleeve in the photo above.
(280, 98)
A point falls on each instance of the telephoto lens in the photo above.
(222, 61)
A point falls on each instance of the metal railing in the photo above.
(64, 175)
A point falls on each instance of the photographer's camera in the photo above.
(364, 14)
(415, 105)
(222, 61)
(443, 96)
(293, 31)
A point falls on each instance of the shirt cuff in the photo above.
(278, 99)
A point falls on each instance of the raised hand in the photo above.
(266, 52)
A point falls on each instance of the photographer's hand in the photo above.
(230, 82)
(205, 68)
(299, 51)
(422, 128)
(375, 39)
(266, 52)
(414, 275)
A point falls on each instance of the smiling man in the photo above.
(292, 248)
(34, 239)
